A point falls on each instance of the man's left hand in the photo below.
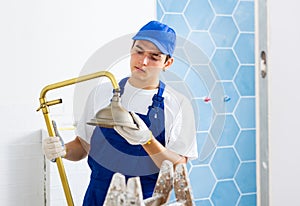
(135, 136)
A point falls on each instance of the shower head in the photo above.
(113, 115)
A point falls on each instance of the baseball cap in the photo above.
(161, 35)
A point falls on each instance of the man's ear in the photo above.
(168, 63)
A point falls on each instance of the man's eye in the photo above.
(138, 51)
(155, 58)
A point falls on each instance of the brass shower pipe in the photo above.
(44, 106)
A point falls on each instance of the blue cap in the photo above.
(161, 35)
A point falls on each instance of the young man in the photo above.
(166, 127)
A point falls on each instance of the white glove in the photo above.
(53, 148)
(135, 136)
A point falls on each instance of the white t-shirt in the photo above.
(180, 132)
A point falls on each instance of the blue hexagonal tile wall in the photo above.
(196, 19)
(223, 31)
(206, 74)
(204, 41)
(224, 6)
(217, 127)
(245, 145)
(245, 113)
(159, 10)
(244, 16)
(203, 203)
(244, 48)
(206, 113)
(195, 54)
(230, 132)
(203, 138)
(247, 200)
(177, 21)
(225, 163)
(245, 177)
(173, 5)
(225, 194)
(194, 81)
(245, 80)
(231, 96)
(225, 63)
(217, 96)
(179, 68)
(206, 181)
(214, 67)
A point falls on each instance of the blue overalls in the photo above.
(111, 153)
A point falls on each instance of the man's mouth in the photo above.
(140, 69)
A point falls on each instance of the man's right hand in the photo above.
(53, 148)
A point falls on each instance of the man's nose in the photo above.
(145, 59)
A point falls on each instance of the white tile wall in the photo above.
(22, 173)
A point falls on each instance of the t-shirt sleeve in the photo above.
(182, 134)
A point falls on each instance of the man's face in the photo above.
(146, 62)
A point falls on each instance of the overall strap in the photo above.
(156, 114)
(122, 85)
(161, 88)
(157, 99)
